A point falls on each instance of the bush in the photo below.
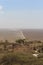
(20, 41)
(19, 59)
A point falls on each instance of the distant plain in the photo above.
(29, 34)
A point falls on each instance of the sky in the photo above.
(21, 14)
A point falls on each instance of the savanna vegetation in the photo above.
(21, 52)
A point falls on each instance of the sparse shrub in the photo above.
(34, 48)
(20, 41)
(40, 55)
(5, 44)
(30, 42)
(39, 41)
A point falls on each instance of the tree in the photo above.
(20, 41)
(13, 47)
(5, 44)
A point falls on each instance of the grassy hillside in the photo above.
(20, 59)
(21, 53)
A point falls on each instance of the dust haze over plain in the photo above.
(21, 14)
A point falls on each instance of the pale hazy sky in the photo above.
(21, 14)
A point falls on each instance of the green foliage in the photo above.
(6, 41)
(5, 44)
(40, 55)
(20, 41)
(20, 59)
